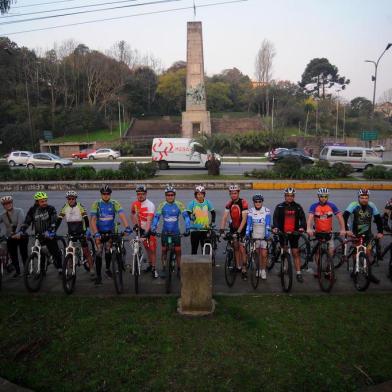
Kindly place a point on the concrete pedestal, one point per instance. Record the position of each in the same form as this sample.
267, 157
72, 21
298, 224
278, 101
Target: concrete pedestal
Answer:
196, 286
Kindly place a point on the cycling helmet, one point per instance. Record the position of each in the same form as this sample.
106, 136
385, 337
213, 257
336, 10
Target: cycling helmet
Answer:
234, 187
323, 192
71, 194
363, 192
258, 197
6, 199
289, 191
40, 195
170, 189
141, 188
200, 188
106, 189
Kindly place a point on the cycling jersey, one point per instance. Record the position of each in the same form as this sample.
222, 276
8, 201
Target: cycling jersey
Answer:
258, 223
12, 220
323, 214
289, 217
41, 219
199, 214
236, 208
362, 218
387, 217
105, 212
75, 216
170, 213
143, 211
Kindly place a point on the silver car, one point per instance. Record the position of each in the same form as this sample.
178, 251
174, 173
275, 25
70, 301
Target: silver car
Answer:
18, 158
104, 153
47, 160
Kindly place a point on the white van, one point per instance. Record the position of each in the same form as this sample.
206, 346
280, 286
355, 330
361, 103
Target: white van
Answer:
358, 157
177, 152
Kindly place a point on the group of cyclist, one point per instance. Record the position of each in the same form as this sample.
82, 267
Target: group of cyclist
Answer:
245, 222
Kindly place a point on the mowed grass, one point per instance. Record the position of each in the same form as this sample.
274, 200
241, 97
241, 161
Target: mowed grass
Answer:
251, 343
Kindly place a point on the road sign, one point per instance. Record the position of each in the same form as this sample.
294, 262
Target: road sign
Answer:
48, 135
369, 135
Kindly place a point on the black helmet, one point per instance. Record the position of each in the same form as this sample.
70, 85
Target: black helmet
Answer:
106, 189
258, 197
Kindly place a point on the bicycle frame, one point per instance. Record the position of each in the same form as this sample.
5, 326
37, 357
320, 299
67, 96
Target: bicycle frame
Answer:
136, 245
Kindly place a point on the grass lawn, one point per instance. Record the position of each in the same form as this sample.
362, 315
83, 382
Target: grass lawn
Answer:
252, 343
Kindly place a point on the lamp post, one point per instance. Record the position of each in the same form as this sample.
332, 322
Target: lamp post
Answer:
337, 115
374, 78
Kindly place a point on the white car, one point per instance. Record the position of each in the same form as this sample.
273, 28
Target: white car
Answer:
18, 158
378, 148
104, 153
47, 160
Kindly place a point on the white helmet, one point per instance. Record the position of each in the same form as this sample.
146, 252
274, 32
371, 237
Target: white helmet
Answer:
323, 192
71, 194
363, 192
289, 191
170, 189
234, 187
200, 188
6, 199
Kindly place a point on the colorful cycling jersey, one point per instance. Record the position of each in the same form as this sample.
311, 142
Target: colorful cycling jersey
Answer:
258, 223
143, 210
75, 216
106, 214
236, 208
170, 213
387, 217
323, 214
362, 217
199, 214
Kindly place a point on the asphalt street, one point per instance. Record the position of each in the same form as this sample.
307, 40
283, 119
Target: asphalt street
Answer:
149, 286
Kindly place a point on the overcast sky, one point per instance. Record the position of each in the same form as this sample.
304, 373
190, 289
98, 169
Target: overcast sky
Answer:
346, 32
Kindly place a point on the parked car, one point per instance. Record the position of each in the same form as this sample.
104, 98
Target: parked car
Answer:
104, 153
305, 159
83, 154
271, 155
47, 160
16, 158
378, 148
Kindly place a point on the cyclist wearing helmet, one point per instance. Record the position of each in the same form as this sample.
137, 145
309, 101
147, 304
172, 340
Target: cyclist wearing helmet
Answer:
258, 226
321, 214
42, 218
198, 210
363, 212
289, 217
78, 225
142, 213
170, 210
237, 210
12, 219
387, 217
103, 215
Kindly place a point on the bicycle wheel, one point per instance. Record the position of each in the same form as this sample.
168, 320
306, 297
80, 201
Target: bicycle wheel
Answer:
390, 267
33, 274
326, 273
254, 269
286, 272
304, 250
117, 270
273, 254
170, 268
338, 253
1, 273
361, 272
69, 275
135, 266
230, 268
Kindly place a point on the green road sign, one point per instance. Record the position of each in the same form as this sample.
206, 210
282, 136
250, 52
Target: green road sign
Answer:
48, 135
369, 135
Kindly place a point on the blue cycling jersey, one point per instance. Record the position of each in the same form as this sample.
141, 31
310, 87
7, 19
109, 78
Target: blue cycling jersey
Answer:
106, 214
170, 213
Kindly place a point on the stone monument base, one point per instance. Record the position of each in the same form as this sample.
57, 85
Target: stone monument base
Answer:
195, 123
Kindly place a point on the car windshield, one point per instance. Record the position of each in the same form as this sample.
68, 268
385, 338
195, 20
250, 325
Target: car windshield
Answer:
53, 156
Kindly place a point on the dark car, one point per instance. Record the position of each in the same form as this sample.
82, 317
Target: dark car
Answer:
305, 159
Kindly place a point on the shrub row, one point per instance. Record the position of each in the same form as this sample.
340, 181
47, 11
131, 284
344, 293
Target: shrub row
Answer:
378, 173
292, 168
128, 170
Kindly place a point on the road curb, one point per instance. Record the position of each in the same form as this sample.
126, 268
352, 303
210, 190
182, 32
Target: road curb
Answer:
189, 184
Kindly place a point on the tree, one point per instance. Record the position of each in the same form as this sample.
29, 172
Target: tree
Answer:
320, 76
171, 91
5, 5
264, 61
218, 96
310, 105
360, 106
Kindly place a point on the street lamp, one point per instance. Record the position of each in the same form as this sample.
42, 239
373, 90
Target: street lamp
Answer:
374, 78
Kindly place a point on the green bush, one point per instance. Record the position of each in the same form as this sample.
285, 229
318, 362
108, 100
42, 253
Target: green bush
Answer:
342, 169
378, 173
125, 148
288, 167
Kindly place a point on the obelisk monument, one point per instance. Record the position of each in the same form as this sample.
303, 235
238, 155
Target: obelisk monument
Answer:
196, 119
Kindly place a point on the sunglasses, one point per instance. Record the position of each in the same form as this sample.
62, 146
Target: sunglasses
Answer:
258, 202
106, 193
7, 202
170, 194
71, 198
323, 196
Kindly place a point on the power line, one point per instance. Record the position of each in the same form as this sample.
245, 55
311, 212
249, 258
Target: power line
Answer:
38, 4
125, 16
87, 12
65, 9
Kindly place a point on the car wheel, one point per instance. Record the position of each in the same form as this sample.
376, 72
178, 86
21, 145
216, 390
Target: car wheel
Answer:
91, 158
30, 166
163, 165
111, 157
58, 166
12, 163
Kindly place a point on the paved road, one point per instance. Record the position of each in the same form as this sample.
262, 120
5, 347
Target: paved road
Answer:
149, 286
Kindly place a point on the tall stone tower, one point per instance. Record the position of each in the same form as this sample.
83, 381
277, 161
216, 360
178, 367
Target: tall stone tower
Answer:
196, 119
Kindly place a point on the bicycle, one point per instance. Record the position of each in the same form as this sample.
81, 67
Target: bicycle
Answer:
5, 260
171, 258
253, 264
230, 261
74, 257
384, 252
137, 258
38, 262
211, 245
